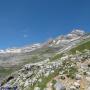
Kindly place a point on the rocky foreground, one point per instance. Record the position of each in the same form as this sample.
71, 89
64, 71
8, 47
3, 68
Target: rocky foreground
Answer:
70, 72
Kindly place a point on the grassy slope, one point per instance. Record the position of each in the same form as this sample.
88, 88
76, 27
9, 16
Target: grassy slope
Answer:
4, 72
81, 47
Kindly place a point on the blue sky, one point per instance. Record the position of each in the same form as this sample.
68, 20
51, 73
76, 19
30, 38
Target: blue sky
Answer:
28, 21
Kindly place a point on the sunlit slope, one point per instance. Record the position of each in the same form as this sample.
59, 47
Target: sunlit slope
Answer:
81, 47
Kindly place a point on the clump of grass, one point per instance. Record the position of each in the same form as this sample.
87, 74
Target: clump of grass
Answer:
71, 72
53, 83
69, 68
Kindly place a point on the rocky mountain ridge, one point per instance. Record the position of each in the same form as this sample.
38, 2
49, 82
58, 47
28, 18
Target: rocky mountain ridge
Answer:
74, 35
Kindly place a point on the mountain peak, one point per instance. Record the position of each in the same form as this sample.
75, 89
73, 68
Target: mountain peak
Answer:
78, 32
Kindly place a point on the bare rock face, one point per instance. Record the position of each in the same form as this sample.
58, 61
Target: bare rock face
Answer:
78, 32
59, 86
36, 88
77, 85
78, 77
72, 88
88, 79
88, 88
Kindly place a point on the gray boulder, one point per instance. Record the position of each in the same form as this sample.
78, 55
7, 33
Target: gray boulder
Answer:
59, 86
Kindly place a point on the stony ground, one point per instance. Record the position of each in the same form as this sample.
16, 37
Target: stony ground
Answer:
70, 72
